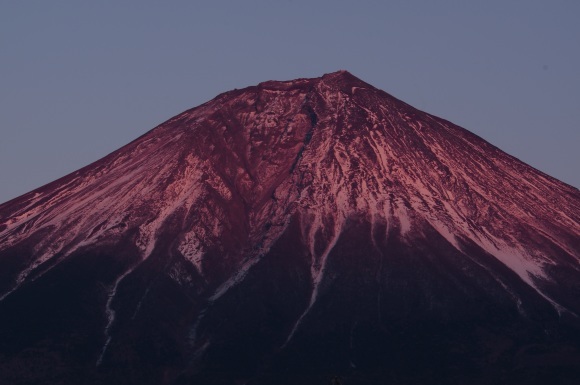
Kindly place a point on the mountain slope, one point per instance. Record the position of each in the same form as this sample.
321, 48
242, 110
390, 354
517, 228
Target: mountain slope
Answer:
296, 229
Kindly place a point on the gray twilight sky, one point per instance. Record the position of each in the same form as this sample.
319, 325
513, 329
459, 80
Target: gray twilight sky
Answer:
79, 79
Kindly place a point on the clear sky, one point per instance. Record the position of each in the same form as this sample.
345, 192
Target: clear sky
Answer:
79, 79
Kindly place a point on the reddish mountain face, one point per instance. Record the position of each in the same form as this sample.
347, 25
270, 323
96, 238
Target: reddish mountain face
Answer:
288, 233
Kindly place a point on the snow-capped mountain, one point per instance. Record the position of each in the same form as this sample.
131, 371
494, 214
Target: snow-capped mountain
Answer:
289, 232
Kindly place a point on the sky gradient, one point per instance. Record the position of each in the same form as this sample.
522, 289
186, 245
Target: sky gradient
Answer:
78, 80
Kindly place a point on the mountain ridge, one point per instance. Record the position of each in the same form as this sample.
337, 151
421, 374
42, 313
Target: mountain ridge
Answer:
430, 217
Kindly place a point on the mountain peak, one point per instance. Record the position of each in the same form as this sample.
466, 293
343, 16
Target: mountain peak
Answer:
341, 79
344, 80
340, 74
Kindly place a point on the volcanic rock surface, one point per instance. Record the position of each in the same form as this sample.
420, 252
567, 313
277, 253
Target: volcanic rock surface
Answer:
287, 233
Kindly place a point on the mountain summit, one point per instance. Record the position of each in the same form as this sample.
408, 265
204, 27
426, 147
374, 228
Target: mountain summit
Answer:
287, 233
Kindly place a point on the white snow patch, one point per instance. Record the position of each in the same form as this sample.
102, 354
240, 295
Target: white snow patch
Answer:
525, 265
317, 269
236, 278
192, 250
400, 213
110, 312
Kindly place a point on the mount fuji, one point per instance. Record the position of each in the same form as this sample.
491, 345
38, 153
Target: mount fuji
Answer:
288, 233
